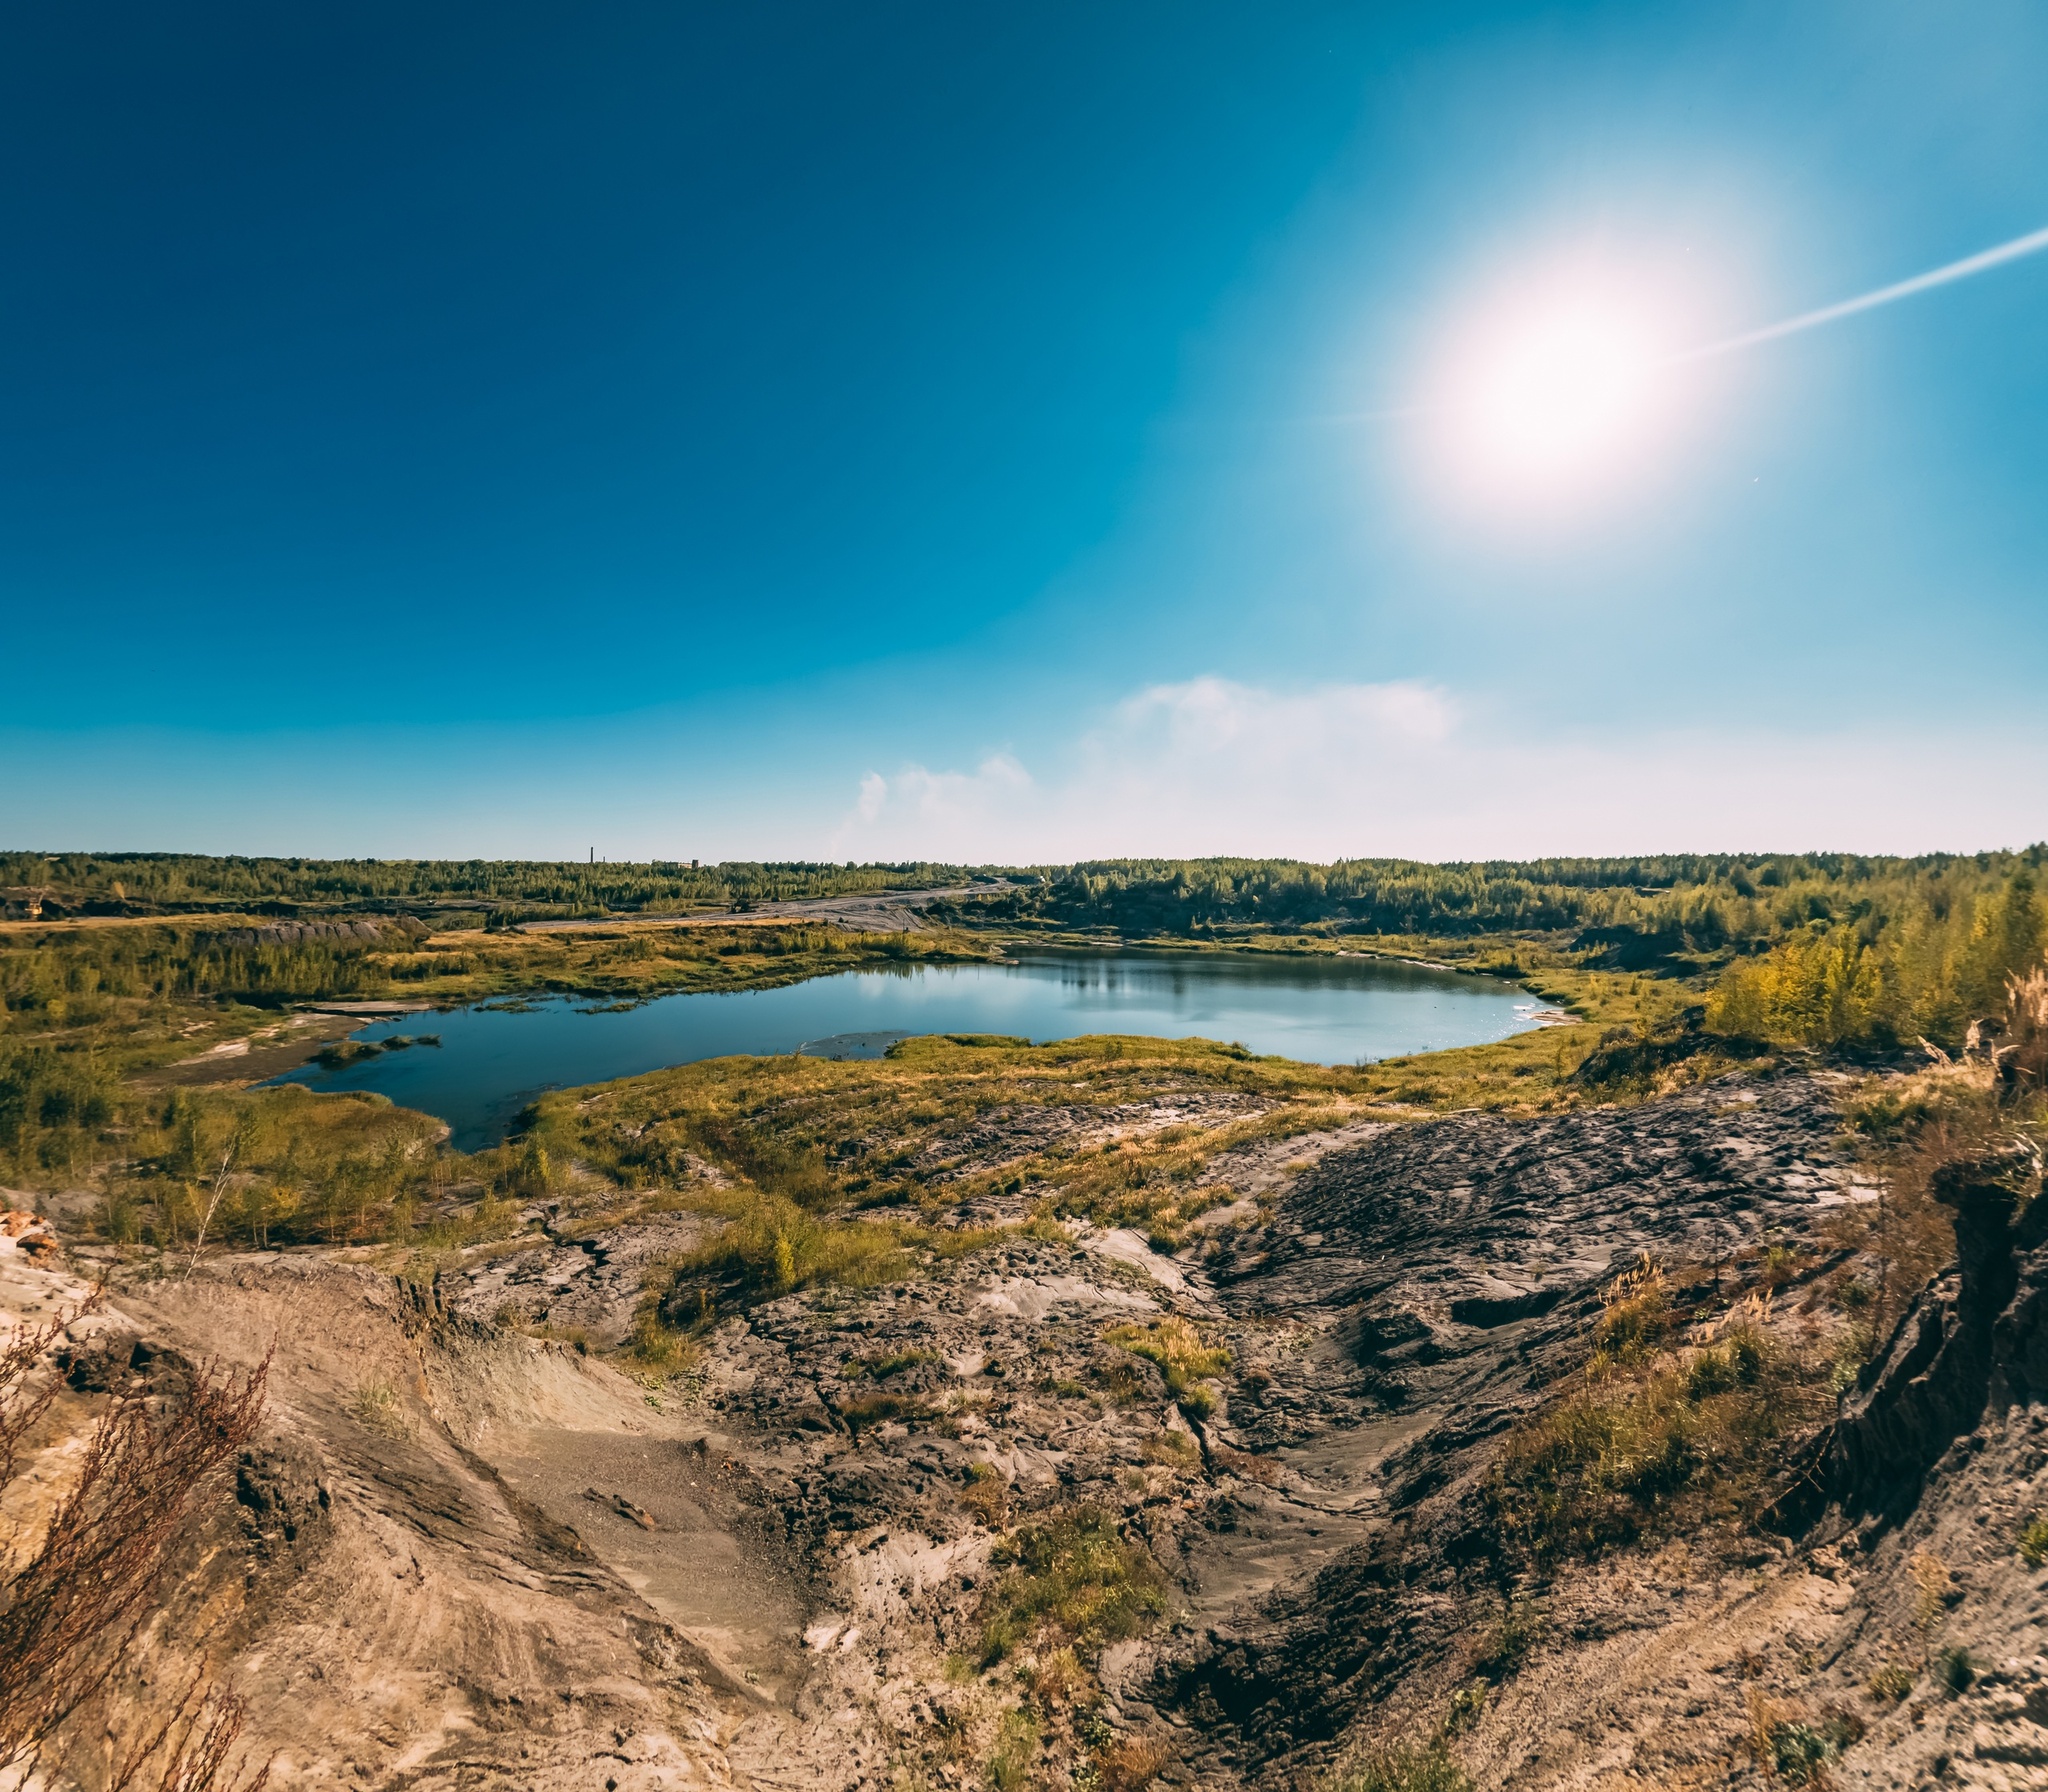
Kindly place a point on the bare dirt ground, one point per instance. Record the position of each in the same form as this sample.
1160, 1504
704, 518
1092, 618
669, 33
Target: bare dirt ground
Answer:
463, 1555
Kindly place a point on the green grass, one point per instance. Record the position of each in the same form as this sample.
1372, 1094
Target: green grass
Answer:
1800, 1752
1402, 1767
866, 1411
2033, 1540
1679, 1440
834, 1136
1071, 1580
1183, 1359
1013, 1760
770, 1246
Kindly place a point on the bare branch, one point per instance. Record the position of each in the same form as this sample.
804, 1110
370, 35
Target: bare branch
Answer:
67, 1614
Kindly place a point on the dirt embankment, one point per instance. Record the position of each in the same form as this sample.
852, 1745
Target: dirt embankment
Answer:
463, 1555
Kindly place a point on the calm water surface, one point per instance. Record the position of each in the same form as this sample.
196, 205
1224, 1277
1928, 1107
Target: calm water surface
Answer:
495, 1057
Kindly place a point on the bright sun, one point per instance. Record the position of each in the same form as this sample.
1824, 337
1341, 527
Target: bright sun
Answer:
1553, 394
1561, 391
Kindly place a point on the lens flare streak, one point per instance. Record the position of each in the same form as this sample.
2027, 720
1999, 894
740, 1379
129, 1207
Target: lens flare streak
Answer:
2019, 247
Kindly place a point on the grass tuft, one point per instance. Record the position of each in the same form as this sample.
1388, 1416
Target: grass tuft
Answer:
1182, 1357
1074, 1580
1687, 1437
2033, 1540
1403, 1767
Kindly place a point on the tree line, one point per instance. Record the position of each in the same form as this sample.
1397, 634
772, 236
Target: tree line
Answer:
145, 883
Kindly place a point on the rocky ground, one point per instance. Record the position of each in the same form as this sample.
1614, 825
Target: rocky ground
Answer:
464, 1555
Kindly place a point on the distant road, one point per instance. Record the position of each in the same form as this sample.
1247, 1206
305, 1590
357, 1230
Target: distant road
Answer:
886, 911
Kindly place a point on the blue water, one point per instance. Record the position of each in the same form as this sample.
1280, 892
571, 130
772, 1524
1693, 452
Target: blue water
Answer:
495, 1057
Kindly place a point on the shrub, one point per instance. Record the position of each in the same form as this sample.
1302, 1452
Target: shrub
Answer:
1956, 1671
1799, 1752
986, 1495
1073, 1579
1639, 1452
1182, 1358
1132, 1763
376, 1407
2033, 1541
1891, 1683
1635, 1316
68, 1611
1403, 1767
1504, 1644
1465, 1707
1931, 1582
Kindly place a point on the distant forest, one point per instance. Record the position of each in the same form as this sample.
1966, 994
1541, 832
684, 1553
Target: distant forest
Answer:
1814, 949
178, 883
1687, 912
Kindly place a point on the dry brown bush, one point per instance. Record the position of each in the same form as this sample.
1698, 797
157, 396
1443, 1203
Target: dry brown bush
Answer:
68, 1611
189, 1750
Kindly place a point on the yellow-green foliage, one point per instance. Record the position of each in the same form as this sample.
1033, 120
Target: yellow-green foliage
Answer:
1011, 1763
1635, 1316
273, 1166
2033, 1541
1402, 1767
1073, 1579
1685, 1438
1183, 1358
1937, 964
865, 1411
772, 1246
826, 1135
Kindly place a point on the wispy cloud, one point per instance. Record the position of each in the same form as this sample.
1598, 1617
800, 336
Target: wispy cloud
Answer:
1406, 769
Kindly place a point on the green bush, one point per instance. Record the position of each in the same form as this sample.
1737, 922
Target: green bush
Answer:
1682, 1439
1403, 1767
1074, 1576
2033, 1540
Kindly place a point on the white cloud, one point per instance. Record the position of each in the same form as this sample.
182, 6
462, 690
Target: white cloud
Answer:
874, 792
918, 805
1403, 769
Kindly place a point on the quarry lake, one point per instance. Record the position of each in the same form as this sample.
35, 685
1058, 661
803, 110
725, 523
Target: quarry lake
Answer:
494, 1057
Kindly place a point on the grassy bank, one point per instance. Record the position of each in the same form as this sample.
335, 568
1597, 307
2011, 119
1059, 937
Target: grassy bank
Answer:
87, 1014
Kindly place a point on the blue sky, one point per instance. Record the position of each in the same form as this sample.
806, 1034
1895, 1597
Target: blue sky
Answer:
912, 430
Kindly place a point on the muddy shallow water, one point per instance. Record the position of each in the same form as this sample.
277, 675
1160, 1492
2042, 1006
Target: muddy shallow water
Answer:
494, 1057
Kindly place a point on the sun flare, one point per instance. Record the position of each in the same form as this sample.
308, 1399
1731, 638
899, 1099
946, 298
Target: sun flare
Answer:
1554, 393
1561, 391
